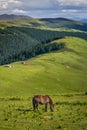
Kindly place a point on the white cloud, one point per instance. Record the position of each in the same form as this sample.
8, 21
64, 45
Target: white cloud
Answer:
3, 5
19, 11
69, 11
72, 2
14, 1
45, 8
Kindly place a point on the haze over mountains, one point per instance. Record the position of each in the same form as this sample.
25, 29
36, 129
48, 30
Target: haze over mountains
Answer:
43, 22
13, 16
84, 20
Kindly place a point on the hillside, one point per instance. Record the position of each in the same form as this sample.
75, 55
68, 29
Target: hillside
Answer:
65, 23
60, 54
53, 73
21, 43
43, 56
53, 23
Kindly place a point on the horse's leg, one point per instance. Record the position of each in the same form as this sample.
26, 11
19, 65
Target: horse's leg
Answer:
46, 104
36, 106
51, 107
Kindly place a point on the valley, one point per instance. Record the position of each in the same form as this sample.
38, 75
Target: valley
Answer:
44, 58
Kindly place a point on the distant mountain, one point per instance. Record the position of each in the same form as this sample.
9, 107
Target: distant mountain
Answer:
64, 23
22, 37
11, 16
55, 19
84, 20
61, 23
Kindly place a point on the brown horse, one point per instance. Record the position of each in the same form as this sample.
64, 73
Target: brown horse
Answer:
42, 99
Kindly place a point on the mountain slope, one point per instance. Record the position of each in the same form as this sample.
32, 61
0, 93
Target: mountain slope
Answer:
11, 16
64, 23
20, 43
53, 23
53, 73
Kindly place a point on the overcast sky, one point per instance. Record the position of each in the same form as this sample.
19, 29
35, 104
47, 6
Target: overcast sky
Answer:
75, 9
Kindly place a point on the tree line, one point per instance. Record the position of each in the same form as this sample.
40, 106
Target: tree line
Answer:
20, 43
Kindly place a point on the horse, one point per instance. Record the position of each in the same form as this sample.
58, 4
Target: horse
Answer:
42, 99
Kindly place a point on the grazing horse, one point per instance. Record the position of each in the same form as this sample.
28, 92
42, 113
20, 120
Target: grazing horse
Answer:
42, 99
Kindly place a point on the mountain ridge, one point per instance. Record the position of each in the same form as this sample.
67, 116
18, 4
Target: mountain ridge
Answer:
12, 16
53, 23
24, 38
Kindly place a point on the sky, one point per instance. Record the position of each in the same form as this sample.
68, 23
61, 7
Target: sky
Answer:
74, 9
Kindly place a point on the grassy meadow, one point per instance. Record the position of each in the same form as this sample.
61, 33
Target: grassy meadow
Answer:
60, 74
70, 114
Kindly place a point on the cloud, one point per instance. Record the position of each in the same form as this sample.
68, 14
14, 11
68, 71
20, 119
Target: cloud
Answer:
14, 1
3, 5
72, 2
39, 4
69, 11
45, 8
19, 11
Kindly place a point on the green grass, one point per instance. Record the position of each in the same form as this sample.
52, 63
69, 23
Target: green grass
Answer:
62, 75
54, 73
57, 25
18, 114
29, 22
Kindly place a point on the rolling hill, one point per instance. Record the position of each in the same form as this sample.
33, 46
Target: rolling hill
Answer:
19, 20
23, 38
53, 73
65, 23
51, 53
43, 56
